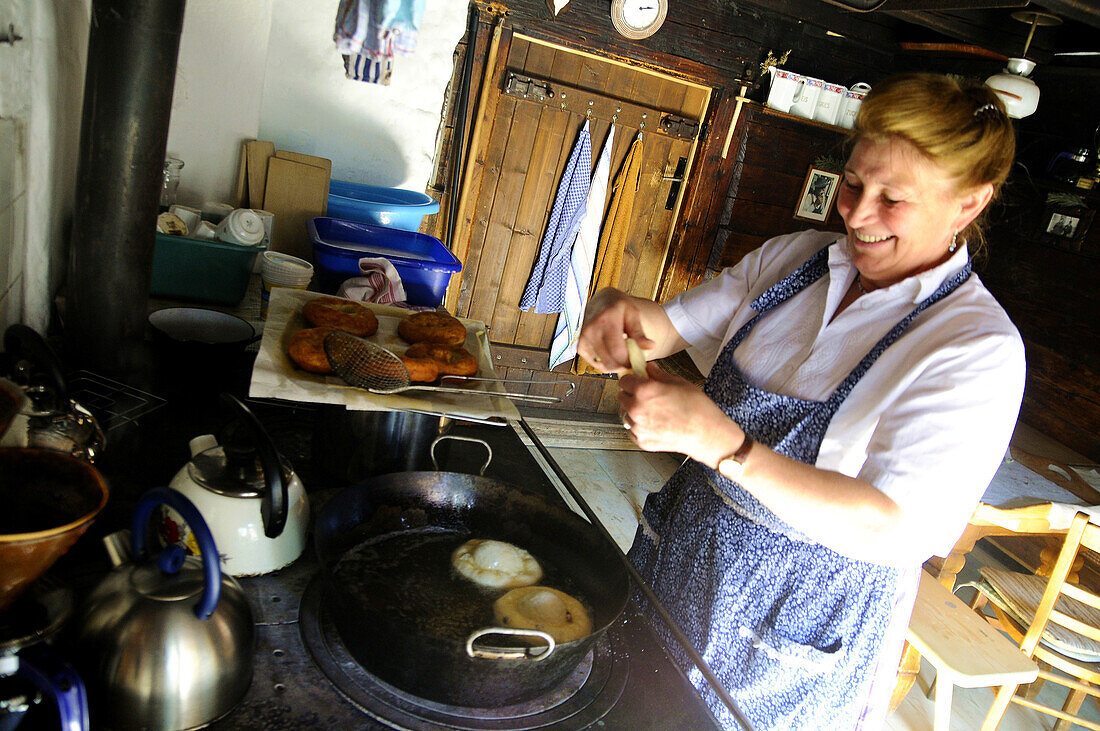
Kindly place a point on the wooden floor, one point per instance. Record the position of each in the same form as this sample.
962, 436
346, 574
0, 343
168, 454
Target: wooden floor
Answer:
615, 482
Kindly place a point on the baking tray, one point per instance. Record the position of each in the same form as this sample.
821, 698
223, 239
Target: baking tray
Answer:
275, 376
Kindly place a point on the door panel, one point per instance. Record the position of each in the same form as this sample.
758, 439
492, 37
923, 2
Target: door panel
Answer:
524, 157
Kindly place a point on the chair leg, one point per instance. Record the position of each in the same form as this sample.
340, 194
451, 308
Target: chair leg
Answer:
942, 720
1000, 705
1072, 706
1031, 690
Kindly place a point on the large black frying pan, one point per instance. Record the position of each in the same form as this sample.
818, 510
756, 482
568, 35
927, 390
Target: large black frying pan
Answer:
384, 626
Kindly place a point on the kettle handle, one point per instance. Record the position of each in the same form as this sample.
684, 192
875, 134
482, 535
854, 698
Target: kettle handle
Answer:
273, 502
212, 574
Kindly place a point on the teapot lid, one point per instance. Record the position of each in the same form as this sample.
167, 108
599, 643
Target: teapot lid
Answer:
228, 471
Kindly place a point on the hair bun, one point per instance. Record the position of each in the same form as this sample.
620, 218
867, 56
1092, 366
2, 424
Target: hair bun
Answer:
987, 111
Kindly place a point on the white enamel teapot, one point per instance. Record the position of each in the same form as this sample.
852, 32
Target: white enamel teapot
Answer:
254, 504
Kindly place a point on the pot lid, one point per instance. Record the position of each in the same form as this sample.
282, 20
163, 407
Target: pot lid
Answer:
234, 471
149, 580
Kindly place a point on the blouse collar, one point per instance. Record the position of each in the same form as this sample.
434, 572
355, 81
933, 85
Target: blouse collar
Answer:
916, 287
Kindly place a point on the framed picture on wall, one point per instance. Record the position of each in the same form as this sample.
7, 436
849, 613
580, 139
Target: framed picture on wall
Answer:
816, 198
1064, 227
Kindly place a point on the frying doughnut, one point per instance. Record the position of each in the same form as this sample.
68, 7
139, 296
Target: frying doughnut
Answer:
558, 614
421, 370
495, 564
342, 314
452, 361
432, 327
307, 350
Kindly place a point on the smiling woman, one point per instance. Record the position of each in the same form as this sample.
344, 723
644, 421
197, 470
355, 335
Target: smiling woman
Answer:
860, 393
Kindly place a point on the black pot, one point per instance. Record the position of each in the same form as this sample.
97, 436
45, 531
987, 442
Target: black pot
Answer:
201, 330
355, 445
381, 629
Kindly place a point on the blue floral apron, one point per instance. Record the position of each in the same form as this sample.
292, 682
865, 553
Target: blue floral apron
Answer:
793, 629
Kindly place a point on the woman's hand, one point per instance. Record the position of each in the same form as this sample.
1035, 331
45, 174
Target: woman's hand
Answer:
664, 413
613, 316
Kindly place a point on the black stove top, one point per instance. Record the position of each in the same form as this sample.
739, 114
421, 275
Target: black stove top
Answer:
303, 678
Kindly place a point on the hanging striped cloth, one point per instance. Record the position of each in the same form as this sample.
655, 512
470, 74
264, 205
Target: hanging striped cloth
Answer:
545, 290
581, 260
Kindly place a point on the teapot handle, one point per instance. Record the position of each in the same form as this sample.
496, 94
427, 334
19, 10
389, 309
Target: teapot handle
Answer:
212, 574
273, 502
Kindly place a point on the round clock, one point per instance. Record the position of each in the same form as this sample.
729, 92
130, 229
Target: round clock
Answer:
638, 18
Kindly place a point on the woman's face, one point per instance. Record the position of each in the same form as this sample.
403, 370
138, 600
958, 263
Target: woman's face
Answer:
900, 210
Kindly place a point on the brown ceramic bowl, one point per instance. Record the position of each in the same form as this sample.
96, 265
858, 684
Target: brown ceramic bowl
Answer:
49, 499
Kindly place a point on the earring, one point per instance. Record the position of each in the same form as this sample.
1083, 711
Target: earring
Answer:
954, 245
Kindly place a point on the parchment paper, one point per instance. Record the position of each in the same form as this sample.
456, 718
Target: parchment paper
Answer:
275, 375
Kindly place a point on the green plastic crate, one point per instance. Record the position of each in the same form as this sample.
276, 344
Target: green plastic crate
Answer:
201, 270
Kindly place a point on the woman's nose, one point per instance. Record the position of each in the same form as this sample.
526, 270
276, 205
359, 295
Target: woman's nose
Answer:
861, 210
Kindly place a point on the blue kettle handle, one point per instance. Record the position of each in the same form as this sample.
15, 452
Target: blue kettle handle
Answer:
172, 560
39, 665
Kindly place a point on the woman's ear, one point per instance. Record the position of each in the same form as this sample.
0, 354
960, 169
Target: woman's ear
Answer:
971, 203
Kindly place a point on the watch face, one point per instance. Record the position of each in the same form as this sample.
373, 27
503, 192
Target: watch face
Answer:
638, 18
640, 14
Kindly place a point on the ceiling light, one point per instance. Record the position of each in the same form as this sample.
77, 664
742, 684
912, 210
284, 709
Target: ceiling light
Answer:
1019, 93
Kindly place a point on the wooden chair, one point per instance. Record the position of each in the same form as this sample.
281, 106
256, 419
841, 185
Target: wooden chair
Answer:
1055, 628
1033, 522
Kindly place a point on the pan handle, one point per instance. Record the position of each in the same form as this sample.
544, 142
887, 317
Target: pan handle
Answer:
530, 653
482, 442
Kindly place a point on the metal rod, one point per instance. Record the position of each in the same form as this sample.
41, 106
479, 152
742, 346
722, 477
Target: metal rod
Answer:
641, 582
458, 136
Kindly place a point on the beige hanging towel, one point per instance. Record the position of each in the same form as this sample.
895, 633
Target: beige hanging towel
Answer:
616, 226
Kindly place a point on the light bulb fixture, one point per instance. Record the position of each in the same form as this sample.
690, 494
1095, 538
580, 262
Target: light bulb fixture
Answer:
1019, 93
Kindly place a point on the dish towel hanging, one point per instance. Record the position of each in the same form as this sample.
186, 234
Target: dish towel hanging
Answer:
369, 33
581, 261
620, 214
545, 290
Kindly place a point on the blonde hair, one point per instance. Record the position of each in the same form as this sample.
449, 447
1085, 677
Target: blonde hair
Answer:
961, 126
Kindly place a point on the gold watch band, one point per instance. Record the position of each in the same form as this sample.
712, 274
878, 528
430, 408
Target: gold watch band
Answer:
733, 465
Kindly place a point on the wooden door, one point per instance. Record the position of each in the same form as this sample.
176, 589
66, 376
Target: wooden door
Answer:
526, 152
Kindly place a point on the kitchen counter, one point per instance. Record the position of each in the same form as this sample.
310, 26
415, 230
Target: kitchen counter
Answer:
289, 690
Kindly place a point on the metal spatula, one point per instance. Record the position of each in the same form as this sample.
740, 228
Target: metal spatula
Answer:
370, 366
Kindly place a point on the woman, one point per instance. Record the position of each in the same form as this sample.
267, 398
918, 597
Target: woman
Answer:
860, 394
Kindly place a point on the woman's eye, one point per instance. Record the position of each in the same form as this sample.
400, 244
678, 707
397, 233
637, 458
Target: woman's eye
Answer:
850, 184
889, 201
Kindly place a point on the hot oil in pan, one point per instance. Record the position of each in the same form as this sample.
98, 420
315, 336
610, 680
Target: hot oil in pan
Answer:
408, 575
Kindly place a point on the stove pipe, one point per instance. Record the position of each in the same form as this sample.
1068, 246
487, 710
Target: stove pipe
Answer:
132, 50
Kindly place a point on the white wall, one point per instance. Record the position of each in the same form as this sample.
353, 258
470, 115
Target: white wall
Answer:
247, 69
268, 69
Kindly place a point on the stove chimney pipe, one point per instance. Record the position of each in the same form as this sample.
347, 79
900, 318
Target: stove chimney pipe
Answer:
132, 51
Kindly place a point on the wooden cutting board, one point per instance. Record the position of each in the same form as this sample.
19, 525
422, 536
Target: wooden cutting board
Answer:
321, 162
295, 193
257, 156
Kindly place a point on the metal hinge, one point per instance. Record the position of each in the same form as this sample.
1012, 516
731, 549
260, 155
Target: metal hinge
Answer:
679, 127
528, 88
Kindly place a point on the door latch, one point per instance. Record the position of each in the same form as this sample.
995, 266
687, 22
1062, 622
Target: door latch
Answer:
679, 127
527, 88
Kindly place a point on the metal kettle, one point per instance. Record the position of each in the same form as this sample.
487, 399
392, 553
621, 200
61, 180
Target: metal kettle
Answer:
251, 500
165, 643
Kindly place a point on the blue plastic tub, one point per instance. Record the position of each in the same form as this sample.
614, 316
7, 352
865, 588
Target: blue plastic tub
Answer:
391, 207
424, 263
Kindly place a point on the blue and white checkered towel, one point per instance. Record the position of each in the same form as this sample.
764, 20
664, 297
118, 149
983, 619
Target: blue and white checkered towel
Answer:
545, 290
582, 260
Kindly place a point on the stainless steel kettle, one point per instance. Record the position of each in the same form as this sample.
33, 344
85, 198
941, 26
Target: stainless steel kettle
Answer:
166, 643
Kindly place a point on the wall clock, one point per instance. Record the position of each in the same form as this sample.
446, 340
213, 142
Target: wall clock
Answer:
638, 18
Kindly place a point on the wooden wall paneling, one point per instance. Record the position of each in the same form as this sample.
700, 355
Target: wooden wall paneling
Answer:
609, 399
532, 327
538, 185
492, 165
474, 175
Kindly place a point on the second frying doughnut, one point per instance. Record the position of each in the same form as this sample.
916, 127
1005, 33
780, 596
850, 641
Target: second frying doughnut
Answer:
432, 327
421, 370
307, 349
452, 361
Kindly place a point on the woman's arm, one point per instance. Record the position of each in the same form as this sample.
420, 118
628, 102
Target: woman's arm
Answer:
611, 317
848, 515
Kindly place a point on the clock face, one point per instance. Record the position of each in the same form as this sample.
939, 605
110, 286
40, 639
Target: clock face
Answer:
638, 18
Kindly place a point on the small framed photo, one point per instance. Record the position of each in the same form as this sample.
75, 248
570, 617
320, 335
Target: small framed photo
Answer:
816, 198
1064, 226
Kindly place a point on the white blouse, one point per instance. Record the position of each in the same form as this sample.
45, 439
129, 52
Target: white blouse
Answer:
929, 422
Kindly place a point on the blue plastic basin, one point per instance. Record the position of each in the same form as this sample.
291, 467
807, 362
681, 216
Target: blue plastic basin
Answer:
390, 207
424, 263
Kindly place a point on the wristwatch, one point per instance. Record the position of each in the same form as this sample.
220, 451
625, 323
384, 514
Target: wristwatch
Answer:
733, 465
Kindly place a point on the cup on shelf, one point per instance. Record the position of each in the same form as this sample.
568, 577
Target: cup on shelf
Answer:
805, 98
849, 106
281, 270
828, 103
